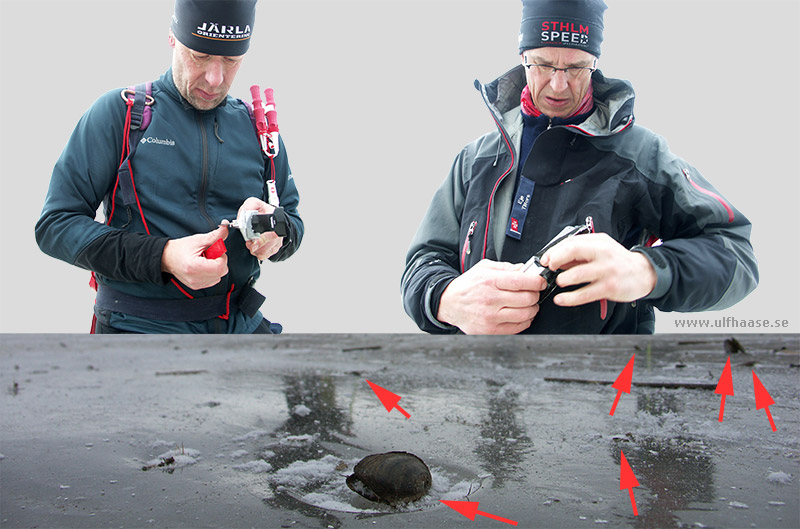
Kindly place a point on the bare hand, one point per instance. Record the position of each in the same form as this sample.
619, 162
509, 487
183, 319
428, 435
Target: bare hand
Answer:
491, 298
268, 243
183, 258
611, 271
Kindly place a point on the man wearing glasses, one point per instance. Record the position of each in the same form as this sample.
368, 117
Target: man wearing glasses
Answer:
566, 158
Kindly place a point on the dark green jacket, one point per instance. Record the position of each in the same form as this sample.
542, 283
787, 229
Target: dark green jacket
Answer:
191, 169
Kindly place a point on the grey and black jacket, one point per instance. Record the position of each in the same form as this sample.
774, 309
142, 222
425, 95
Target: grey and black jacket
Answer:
620, 174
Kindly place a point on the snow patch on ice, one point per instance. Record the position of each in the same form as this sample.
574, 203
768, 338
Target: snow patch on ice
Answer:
779, 477
738, 505
183, 460
303, 473
511, 390
301, 409
238, 454
160, 444
254, 435
256, 467
298, 440
182, 457
443, 488
325, 501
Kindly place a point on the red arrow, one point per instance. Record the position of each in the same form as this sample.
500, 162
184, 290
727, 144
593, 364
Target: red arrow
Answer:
388, 399
724, 386
470, 510
623, 383
627, 480
763, 400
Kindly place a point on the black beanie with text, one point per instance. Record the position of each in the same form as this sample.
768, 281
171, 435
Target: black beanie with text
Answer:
216, 27
562, 24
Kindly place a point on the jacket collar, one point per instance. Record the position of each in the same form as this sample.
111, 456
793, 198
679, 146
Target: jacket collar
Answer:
613, 98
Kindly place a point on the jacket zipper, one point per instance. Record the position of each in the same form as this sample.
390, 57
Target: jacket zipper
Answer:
504, 135
204, 171
710, 194
467, 250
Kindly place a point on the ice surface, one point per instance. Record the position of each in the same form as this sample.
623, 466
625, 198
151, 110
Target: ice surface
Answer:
491, 430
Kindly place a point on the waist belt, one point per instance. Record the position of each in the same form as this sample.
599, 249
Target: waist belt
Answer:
246, 299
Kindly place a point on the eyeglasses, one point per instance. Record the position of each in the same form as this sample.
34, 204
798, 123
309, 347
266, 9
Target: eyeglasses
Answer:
547, 70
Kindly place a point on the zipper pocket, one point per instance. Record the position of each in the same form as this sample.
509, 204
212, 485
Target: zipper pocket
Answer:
710, 194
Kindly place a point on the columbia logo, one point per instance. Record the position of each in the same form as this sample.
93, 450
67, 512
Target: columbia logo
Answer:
158, 141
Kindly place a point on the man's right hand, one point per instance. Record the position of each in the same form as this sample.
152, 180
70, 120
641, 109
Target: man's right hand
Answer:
491, 298
183, 258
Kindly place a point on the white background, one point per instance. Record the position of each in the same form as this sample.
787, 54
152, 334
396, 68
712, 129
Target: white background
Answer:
375, 99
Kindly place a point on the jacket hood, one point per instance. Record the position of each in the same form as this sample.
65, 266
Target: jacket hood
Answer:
613, 100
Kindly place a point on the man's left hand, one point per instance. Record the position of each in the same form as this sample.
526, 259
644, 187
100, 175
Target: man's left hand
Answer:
609, 270
268, 243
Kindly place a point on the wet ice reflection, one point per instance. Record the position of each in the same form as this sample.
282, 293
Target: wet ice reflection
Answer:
504, 443
677, 472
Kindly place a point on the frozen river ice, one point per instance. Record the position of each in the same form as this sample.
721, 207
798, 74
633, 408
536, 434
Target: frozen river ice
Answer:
184, 431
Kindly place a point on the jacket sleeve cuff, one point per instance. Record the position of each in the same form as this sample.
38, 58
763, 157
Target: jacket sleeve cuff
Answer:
433, 296
661, 266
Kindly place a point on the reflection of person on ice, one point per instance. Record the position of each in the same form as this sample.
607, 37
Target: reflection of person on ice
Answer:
566, 149
198, 160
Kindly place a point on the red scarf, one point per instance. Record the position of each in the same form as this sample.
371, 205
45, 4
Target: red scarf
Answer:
530, 109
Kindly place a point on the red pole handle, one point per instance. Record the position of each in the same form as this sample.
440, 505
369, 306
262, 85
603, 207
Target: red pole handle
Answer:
258, 109
272, 114
215, 250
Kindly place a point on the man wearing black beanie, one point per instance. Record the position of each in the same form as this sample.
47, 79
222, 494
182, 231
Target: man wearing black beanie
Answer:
608, 222
205, 32
198, 160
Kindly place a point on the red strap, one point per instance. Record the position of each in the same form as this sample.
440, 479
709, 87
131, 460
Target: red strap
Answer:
175, 282
603, 302
227, 305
